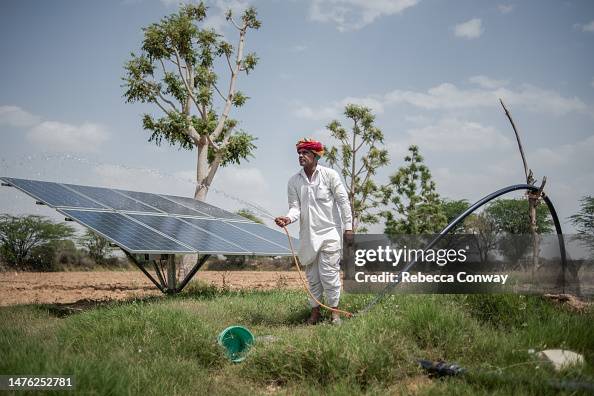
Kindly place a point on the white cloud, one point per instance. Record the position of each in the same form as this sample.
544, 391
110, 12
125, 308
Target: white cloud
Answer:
449, 96
454, 135
351, 15
335, 109
487, 82
505, 8
470, 29
588, 27
14, 116
58, 136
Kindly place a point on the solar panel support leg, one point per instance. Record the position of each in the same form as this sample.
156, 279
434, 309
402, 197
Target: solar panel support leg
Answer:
199, 263
171, 275
133, 259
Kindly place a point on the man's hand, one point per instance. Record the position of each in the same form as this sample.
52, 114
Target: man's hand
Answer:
282, 221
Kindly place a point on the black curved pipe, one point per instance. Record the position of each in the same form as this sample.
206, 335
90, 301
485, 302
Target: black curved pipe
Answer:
469, 211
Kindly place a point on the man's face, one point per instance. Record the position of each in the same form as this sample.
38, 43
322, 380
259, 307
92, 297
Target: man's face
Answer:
306, 158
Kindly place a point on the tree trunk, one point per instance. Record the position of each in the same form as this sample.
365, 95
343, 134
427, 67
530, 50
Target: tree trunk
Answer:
201, 170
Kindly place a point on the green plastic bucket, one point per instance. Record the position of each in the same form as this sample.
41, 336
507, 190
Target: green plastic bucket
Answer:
236, 340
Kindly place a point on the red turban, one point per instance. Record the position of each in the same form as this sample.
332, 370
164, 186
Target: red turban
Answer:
312, 145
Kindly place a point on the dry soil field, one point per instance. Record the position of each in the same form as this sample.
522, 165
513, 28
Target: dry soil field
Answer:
71, 287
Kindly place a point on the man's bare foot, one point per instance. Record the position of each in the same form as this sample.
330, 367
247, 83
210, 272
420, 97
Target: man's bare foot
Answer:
336, 318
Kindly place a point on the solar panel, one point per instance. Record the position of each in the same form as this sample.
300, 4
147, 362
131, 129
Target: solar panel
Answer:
252, 243
205, 208
197, 238
280, 238
53, 194
112, 199
163, 204
127, 233
144, 222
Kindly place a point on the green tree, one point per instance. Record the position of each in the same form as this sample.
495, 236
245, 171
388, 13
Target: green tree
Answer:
583, 221
97, 247
176, 72
20, 234
512, 216
484, 233
358, 158
248, 214
512, 222
416, 208
452, 209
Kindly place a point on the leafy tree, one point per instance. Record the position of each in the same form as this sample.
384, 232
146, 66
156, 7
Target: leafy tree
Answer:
248, 214
417, 208
176, 72
19, 235
484, 231
97, 246
452, 209
512, 221
358, 159
511, 216
584, 221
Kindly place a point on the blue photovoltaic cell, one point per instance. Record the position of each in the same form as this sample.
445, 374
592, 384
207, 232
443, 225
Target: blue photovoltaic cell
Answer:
277, 237
192, 236
53, 194
220, 232
251, 243
112, 199
163, 204
126, 233
205, 208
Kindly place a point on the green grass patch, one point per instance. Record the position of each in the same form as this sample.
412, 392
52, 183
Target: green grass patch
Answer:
168, 345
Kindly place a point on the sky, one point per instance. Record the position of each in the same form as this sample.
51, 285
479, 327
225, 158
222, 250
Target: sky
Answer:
432, 72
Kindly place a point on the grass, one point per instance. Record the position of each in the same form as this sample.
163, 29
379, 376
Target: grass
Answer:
168, 345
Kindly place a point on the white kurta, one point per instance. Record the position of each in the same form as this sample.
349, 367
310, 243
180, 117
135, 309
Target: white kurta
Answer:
316, 204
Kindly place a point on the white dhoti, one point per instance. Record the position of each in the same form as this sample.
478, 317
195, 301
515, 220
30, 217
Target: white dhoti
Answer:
323, 276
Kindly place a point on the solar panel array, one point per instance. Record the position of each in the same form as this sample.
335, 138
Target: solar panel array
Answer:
141, 222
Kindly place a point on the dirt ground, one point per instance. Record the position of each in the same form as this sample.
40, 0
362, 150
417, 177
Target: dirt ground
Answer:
70, 287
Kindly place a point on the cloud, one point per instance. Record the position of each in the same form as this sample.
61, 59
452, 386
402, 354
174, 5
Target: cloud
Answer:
58, 136
588, 27
469, 30
505, 8
335, 109
592, 83
14, 116
454, 135
349, 15
449, 96
486, 82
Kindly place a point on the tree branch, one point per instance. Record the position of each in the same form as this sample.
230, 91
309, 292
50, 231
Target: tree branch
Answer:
234, 73
217, 89
186, 84
526, 172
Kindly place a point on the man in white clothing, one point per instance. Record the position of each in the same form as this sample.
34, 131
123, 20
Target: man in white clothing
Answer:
316, 194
